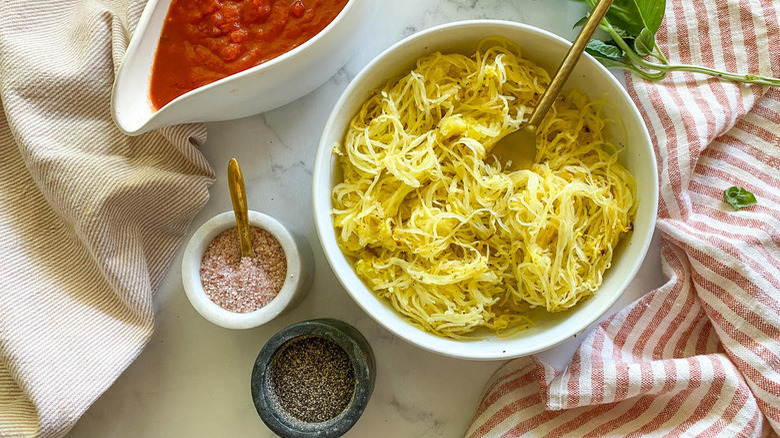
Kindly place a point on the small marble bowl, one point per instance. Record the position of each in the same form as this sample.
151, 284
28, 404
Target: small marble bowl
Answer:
362, 357
300, 271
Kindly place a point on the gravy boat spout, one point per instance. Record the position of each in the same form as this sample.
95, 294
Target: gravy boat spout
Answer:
261, 88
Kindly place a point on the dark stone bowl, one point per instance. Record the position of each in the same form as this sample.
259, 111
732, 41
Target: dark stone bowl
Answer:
353, 343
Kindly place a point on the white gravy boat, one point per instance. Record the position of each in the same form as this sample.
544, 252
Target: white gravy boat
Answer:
261, 88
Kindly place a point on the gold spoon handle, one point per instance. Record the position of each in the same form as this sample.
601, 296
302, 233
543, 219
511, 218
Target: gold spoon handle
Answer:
569, 62
238, 195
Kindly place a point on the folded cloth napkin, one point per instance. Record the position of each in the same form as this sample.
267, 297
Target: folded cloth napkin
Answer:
89, 218
699, 356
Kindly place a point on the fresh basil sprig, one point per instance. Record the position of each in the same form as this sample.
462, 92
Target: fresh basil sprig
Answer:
631, 26
738, 197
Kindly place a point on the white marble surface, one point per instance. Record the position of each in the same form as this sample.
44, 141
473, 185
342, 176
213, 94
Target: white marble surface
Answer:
193, 378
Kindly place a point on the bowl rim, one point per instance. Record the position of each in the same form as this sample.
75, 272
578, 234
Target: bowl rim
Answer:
143, 23
213, 312
324, 223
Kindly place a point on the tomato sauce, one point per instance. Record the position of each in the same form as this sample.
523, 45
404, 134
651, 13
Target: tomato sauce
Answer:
206, 40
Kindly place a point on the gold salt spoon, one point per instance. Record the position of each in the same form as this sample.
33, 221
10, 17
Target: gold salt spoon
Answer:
517, 150
238, 195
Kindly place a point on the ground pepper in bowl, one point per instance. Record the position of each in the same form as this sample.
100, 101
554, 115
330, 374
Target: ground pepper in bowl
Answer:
245, 284
312, 378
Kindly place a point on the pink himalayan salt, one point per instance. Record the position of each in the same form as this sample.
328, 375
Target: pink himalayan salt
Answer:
245, 284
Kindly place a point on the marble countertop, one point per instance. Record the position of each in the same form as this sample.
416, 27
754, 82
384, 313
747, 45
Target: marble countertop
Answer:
192, 380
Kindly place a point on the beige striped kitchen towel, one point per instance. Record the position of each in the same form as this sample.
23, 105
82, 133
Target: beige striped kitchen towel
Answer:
700, 356
89, 218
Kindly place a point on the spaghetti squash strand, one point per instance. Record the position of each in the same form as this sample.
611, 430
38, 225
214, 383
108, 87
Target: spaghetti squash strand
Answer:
454, 242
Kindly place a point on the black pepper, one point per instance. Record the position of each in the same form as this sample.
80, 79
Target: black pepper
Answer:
312, 378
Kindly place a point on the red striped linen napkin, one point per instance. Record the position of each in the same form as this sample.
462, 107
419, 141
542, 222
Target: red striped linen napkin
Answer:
700, 356
89, 218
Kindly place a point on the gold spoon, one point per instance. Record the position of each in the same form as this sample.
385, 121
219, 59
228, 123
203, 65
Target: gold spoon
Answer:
238, 195
517, 150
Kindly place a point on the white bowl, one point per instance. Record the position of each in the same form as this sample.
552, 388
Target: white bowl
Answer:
261, 88
300, 272
547, 50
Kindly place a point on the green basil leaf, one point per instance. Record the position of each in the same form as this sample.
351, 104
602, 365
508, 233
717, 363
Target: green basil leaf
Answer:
607, 61
652, 13
621, 33
644, 43
580, 22
625, 15
628, 39
600, 48
738, 197
635, 15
